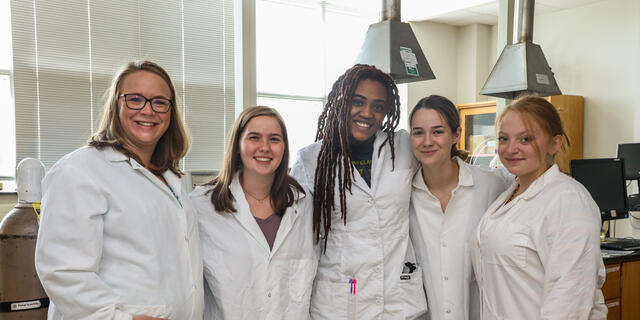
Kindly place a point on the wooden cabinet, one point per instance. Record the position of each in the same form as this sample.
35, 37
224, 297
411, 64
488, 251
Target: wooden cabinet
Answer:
611, 291
478, 128
621, 290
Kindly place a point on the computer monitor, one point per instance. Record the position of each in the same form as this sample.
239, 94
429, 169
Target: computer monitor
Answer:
604, 178
630, 152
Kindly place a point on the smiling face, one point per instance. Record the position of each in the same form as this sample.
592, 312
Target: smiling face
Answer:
432, 138
143, 128
525, 152
261, 146
368, 108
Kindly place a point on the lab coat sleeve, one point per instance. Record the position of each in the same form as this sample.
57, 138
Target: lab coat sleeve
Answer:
298, 171
69, 246
573, 265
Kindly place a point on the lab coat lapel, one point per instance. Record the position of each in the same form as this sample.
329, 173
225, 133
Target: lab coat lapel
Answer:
358, 180
376, 166
116, 156
287, 223
498, 207
244, 215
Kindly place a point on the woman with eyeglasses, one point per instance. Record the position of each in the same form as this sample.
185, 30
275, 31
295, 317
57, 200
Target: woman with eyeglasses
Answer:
118, 238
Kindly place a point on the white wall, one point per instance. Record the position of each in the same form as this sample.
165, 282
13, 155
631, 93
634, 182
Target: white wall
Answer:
461, 59
594, 52
475, 56
438, 42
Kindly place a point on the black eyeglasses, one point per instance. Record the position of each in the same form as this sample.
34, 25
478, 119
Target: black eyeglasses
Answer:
137, 101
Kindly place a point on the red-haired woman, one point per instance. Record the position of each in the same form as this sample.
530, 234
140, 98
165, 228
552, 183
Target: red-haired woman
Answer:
536, 251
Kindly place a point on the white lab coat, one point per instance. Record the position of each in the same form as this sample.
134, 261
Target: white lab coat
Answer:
114, 241
374, 244
538, 256
246, 279
440, 239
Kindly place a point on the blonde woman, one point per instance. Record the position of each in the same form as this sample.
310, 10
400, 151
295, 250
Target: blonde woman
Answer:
118, 238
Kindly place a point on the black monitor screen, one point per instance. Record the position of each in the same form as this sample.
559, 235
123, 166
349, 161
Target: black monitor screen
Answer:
630, 152
604, 178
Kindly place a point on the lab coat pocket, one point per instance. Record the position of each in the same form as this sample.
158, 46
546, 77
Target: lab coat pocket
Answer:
330, 300
511, 248
157, 311
411, 291
301, 274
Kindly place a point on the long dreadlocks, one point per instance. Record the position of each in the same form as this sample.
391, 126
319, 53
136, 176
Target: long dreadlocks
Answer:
334, 158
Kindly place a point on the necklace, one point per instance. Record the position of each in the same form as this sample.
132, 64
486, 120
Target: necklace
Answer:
513, 195
260, 201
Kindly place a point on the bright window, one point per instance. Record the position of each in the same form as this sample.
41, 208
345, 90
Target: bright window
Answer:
302, 47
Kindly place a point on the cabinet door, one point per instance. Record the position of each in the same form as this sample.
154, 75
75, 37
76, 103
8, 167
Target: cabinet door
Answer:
478, 131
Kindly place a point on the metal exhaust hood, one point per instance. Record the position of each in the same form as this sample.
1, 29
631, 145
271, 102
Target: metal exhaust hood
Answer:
392, 47
522, 67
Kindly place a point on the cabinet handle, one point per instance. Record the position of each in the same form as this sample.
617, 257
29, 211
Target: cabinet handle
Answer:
613, 304
613, 269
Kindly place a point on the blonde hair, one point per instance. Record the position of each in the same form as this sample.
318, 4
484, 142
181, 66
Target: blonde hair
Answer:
174, 143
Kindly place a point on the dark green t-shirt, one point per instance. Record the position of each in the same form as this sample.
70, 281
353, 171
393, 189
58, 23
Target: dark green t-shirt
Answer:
361, 154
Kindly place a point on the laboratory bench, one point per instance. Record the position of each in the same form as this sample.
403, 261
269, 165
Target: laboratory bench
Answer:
621, 289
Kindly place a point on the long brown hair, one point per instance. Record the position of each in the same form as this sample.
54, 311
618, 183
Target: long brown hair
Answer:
541, 112
174, 143
448, 111
334, 159
281, 194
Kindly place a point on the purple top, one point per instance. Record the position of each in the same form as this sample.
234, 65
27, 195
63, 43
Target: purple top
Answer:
269, 227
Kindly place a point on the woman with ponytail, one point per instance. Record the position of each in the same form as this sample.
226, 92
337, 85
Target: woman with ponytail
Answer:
448, 198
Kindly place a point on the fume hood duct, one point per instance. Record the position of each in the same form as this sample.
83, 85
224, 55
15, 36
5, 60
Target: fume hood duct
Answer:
522, 68
392, 47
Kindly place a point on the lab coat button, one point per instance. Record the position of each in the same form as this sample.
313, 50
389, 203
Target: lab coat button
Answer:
269, 295
444, 244
446, 278
448, 310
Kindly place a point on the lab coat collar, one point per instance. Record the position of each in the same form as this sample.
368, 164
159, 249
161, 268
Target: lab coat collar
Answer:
114, 155
499, 207
465, 178
376, 165
541, 182
173, 180
246, 219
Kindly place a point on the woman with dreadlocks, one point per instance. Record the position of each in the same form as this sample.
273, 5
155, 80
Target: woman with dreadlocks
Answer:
359, 171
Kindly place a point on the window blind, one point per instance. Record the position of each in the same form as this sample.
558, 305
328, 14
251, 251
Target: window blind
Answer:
65, 54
